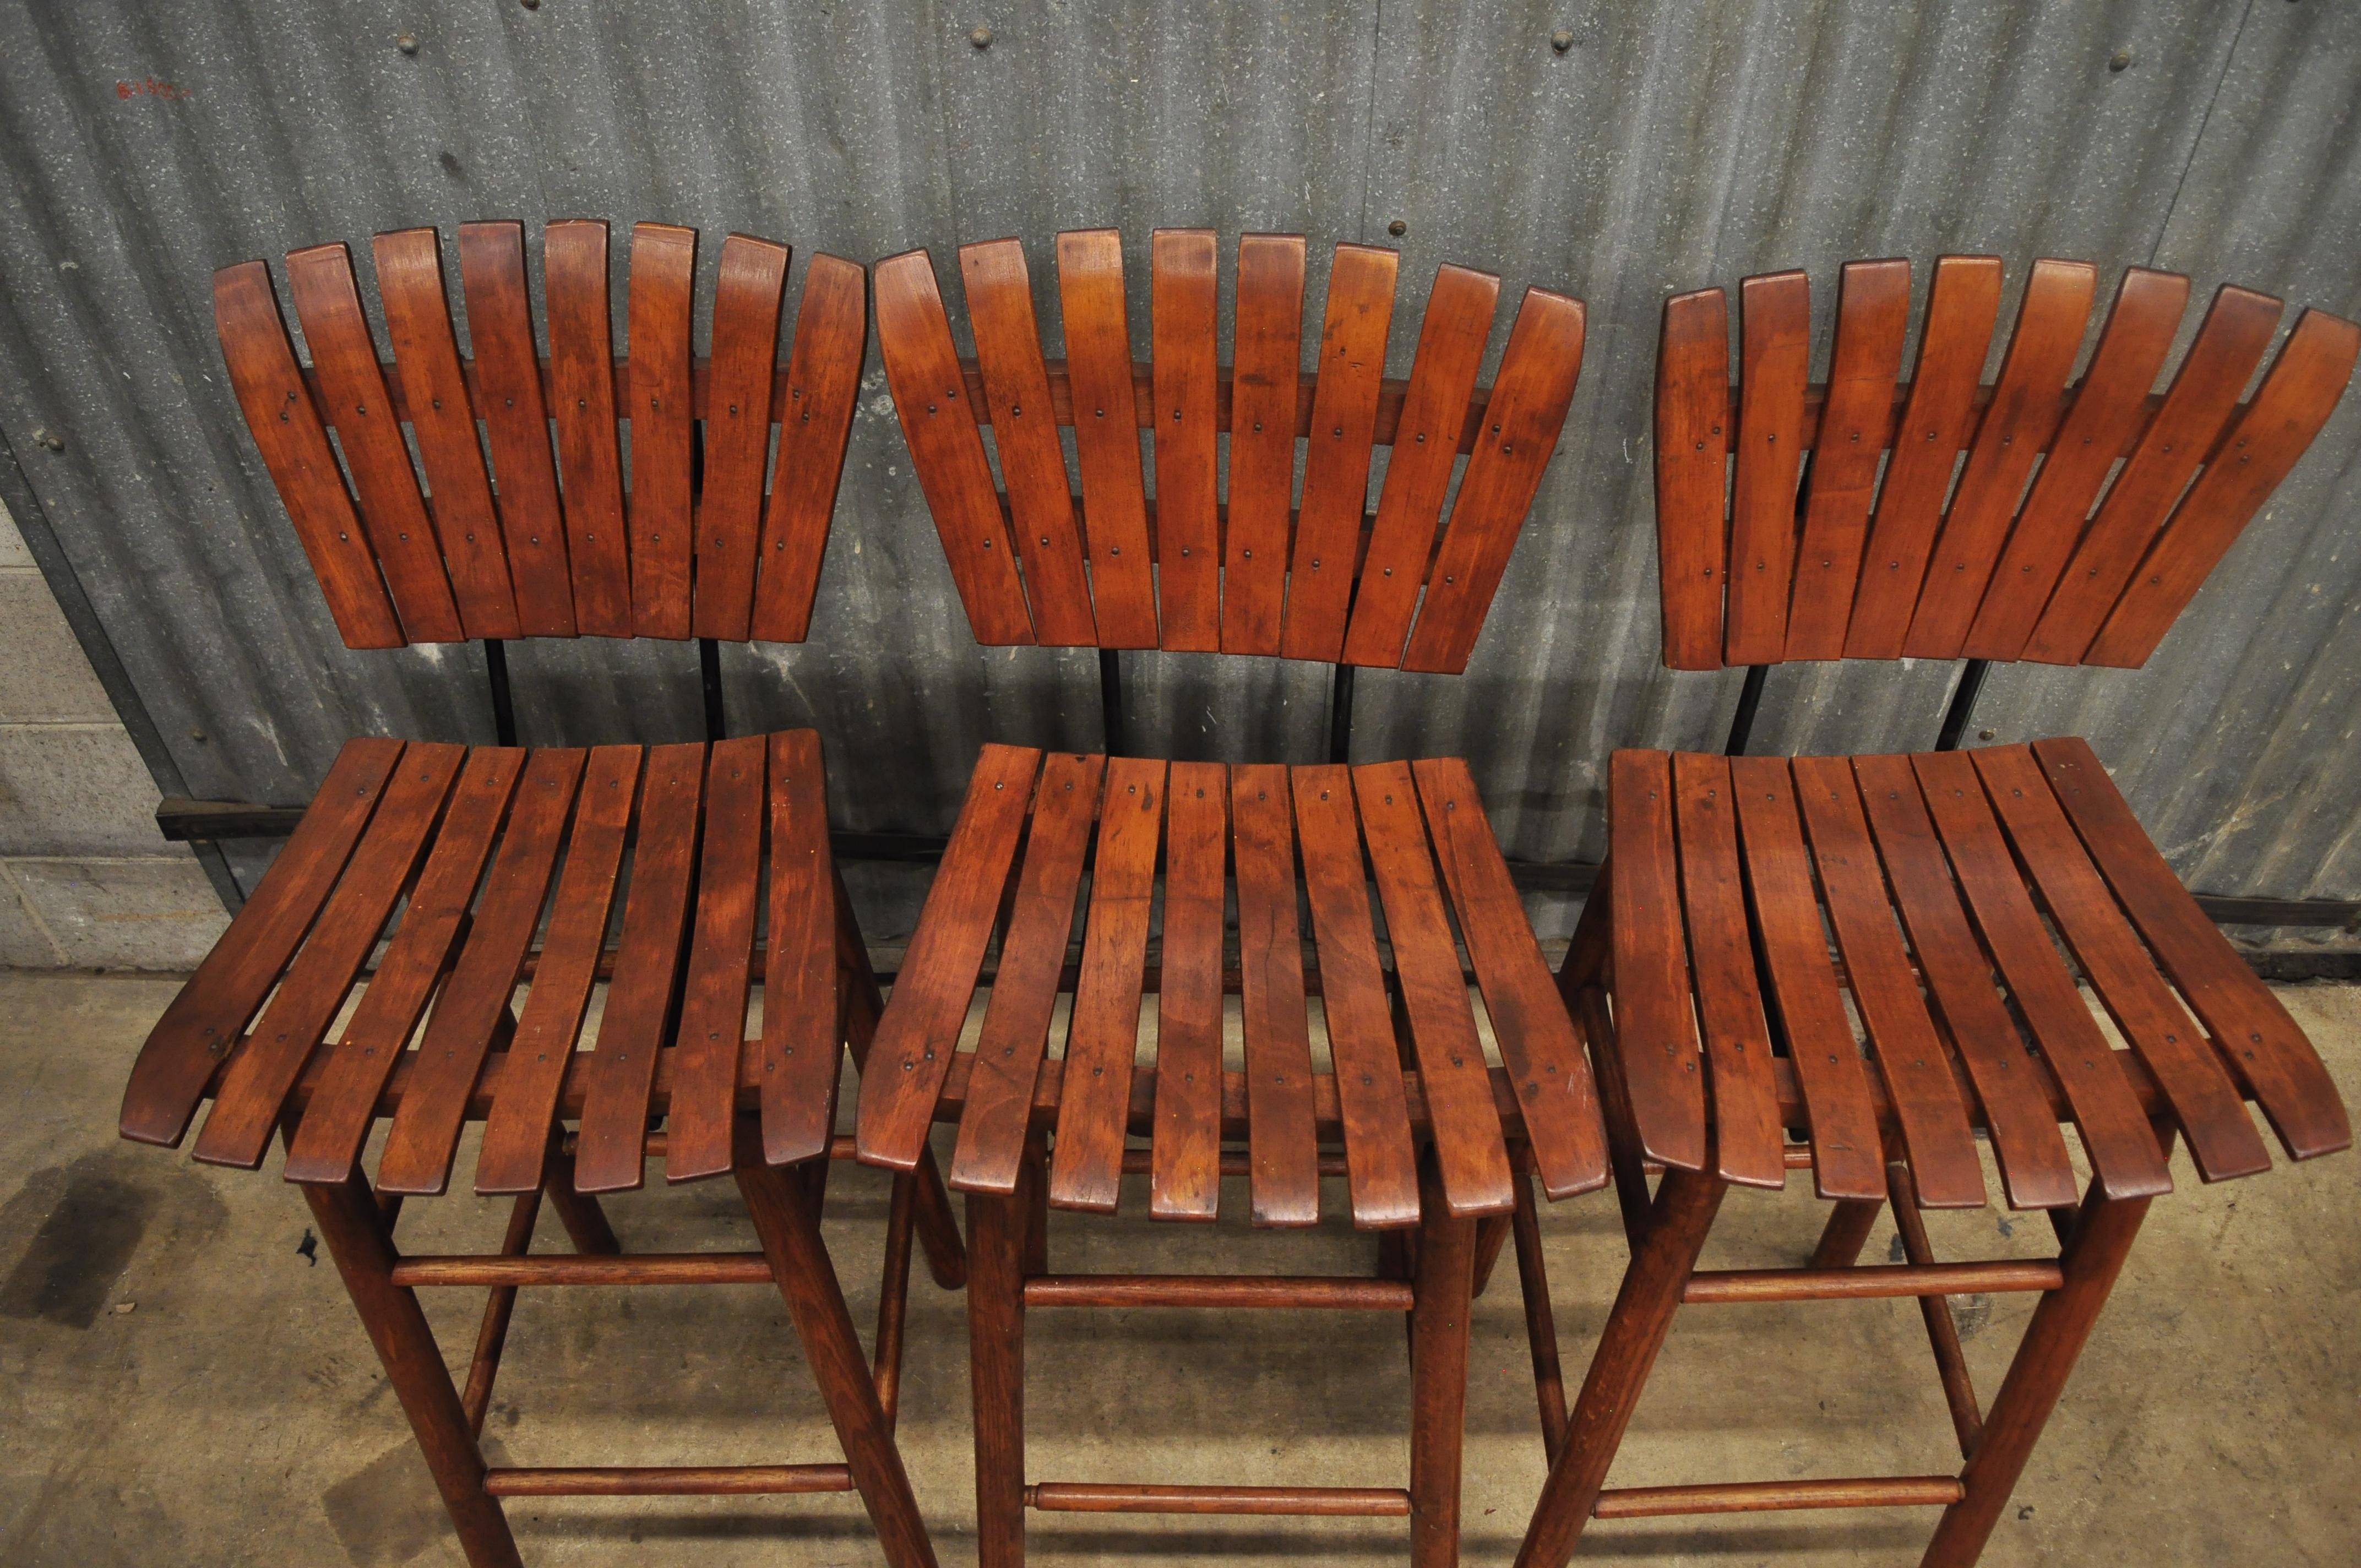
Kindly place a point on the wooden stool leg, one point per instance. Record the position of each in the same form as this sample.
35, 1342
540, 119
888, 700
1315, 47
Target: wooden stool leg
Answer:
800, 1262
1492, 1235
2062, 1323
1447, 1273
349, 1221
584, 1220
893, 1295
1541, 1322
1847, 1232
997, 1230
1686, 1201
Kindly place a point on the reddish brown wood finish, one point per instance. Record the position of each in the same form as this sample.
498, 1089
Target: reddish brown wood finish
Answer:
1281, 1143
1354, 326
1268, 349
1106, 436
1186, 1179
747, 294
1692, 473
516, 424
1188, 530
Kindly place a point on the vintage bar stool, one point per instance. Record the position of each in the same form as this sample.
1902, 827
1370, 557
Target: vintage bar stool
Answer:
1427, 1132
680, 838
1968, 891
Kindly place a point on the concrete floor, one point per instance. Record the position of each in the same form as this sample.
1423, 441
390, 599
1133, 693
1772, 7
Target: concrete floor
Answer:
182, 1379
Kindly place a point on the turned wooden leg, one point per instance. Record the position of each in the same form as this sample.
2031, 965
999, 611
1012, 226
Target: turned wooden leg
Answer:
1447, 1273
997, 1227
893, 1294
1541, 1322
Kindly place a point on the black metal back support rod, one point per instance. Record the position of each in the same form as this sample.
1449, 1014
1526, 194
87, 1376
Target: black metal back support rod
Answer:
1111, 712
1964, 703
708, 670
1742, 723
496, 675
1340, 715
1111, 701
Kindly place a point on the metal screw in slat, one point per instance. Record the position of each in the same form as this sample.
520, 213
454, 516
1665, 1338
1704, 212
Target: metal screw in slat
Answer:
1398, 228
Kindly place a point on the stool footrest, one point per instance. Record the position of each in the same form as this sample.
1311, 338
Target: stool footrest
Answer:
1870, 1280
1110, 1497
587, 1269
666, 1480
1762, 1496
1319, 1291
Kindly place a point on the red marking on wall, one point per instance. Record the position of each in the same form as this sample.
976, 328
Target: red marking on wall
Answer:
149, 87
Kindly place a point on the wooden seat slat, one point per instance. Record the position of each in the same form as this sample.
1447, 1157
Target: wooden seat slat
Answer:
1025, 982
1652, 1018
712, 1029
2123, 1150
524, 1094
1382, 1163
1536, 1038
1185, 1157
337, 1120
1692, 457
1872, 315
824, 369
2009, 1078
1106, 436
802, 1005
1962, 307
1775, 319
1919, 1087
1355, 322
516, 424
1184, 305
1281, 1146
749, 292
582, 391
610, 1155
1041, 504
1848, 1152
663, 427
472, 1012
1267, 353
209, 1014
265, 1066
1470, 1155
443, 419
2249, 1027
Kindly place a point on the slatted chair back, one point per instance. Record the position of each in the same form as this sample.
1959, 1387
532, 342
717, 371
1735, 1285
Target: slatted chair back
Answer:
1189, 568
1838, 530
683, 541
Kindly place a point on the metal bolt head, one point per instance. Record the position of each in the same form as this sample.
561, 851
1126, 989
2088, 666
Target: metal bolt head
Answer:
405, 43
981, 38
2122, 61
1561, 41
529, 5
1398, 228
1985, 734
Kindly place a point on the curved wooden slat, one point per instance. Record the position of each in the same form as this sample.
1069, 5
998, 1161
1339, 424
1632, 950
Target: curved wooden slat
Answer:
1655, 1032
663, 426
747, 296
1749, 1144
1872, 315
1282, 1149
1188, 530
1106, 436
824, 367
1693, 475
516, 425
711, 1033
1774, 348
1267, 355
582, 390
802, 981
1354, 325
1185, 1160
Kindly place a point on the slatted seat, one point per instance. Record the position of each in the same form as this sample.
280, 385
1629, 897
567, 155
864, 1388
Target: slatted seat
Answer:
1866, 966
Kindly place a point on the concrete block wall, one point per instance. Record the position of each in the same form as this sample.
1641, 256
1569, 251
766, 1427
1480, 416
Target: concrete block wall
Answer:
85, 880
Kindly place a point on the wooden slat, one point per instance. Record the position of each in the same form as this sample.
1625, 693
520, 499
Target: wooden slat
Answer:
1693, 475
1748, 1140
2110, 406
1470, 1155
1961, 306
1185, 1159
1417, 472
1353, 325
1188, 532
2016, 426
1103, 1035
748, 291
2124, 1151
1522, 424
663, 426
802, 985
815, 426
443, 420
930, 399
1267, 370
993, 1128
1774, 322
1282, 1149
2221, 1138
1382, 1166
1107, 435
2248, 1025
582, 391
472, 1013
1538, 1046
266, 1065
353, 391
1032, 457
1873, 314
1917, 1069
2009, 1078
703, 1108
2203, 399
1656, 1034
343, 1102
524, 1095
1847, 1158
516, 424
640, 999
912, 1050
2303, 388
209, 1014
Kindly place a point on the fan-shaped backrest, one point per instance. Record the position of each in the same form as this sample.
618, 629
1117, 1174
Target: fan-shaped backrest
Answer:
509, 551
1184, 571
1911, 564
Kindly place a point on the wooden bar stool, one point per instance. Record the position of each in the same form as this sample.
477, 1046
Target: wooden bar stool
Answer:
454, 857
1968, 893
1426, 1138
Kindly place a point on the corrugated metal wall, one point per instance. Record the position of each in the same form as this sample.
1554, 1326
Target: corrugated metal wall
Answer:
1672, 146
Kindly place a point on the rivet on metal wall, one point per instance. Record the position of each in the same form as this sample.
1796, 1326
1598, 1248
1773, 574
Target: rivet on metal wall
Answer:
529, 5
50, 438
2121, 61
981, 38
1398, 228
1986, 734
405, 43
1561, 41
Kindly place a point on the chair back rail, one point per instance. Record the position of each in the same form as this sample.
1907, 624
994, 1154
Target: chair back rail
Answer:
1095, 560
695, 545
1798, 521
